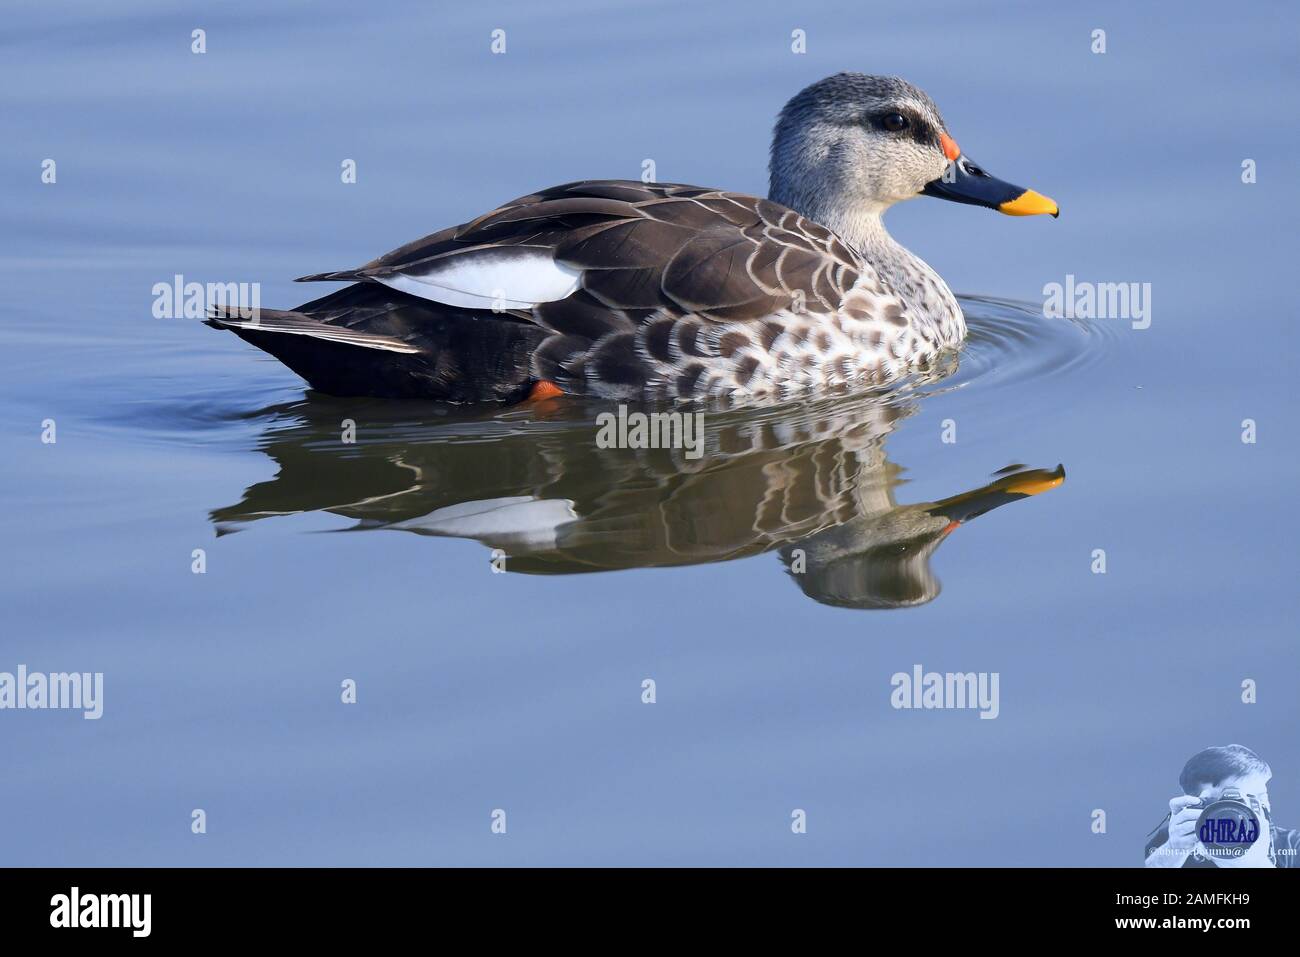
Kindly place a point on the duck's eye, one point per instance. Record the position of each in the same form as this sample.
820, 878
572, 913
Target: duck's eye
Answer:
894, 122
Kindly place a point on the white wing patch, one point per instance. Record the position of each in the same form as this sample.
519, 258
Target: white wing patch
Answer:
516, 277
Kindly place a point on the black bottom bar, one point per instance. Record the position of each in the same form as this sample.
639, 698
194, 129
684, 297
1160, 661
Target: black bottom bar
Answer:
333, 905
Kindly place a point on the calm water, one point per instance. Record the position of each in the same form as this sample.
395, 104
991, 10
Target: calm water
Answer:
522, 691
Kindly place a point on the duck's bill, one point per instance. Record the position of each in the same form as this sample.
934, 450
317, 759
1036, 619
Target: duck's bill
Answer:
1009, 488
964, 182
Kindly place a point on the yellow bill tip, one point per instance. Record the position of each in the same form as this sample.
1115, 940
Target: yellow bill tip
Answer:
1035, 484
1029, 203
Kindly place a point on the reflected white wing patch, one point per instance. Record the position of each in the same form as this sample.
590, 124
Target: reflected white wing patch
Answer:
516, 277
519, 520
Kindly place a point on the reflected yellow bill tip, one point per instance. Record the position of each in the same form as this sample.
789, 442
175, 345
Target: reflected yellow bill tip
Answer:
1035, 484
1029, 203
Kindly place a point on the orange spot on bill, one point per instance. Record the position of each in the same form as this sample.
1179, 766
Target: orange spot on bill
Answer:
950, 147
950, 527
542, 389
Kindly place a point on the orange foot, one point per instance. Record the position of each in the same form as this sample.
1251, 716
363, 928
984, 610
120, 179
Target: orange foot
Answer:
542, 389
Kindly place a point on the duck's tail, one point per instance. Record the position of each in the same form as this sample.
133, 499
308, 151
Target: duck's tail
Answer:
367, 339
334, 358
256, 324
337, 275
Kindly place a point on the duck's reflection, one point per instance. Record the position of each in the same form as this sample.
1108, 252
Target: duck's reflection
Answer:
811, 481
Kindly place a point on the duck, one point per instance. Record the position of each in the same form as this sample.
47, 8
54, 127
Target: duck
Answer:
632, 290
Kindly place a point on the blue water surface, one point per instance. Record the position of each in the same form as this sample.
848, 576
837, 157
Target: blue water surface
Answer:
523, 692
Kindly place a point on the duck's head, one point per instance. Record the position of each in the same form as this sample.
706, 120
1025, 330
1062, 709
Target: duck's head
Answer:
848, 147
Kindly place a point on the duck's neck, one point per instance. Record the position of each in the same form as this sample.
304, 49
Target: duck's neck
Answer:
864, 230
862, 227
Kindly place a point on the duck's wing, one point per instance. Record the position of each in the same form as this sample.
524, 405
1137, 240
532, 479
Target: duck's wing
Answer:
590, 260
